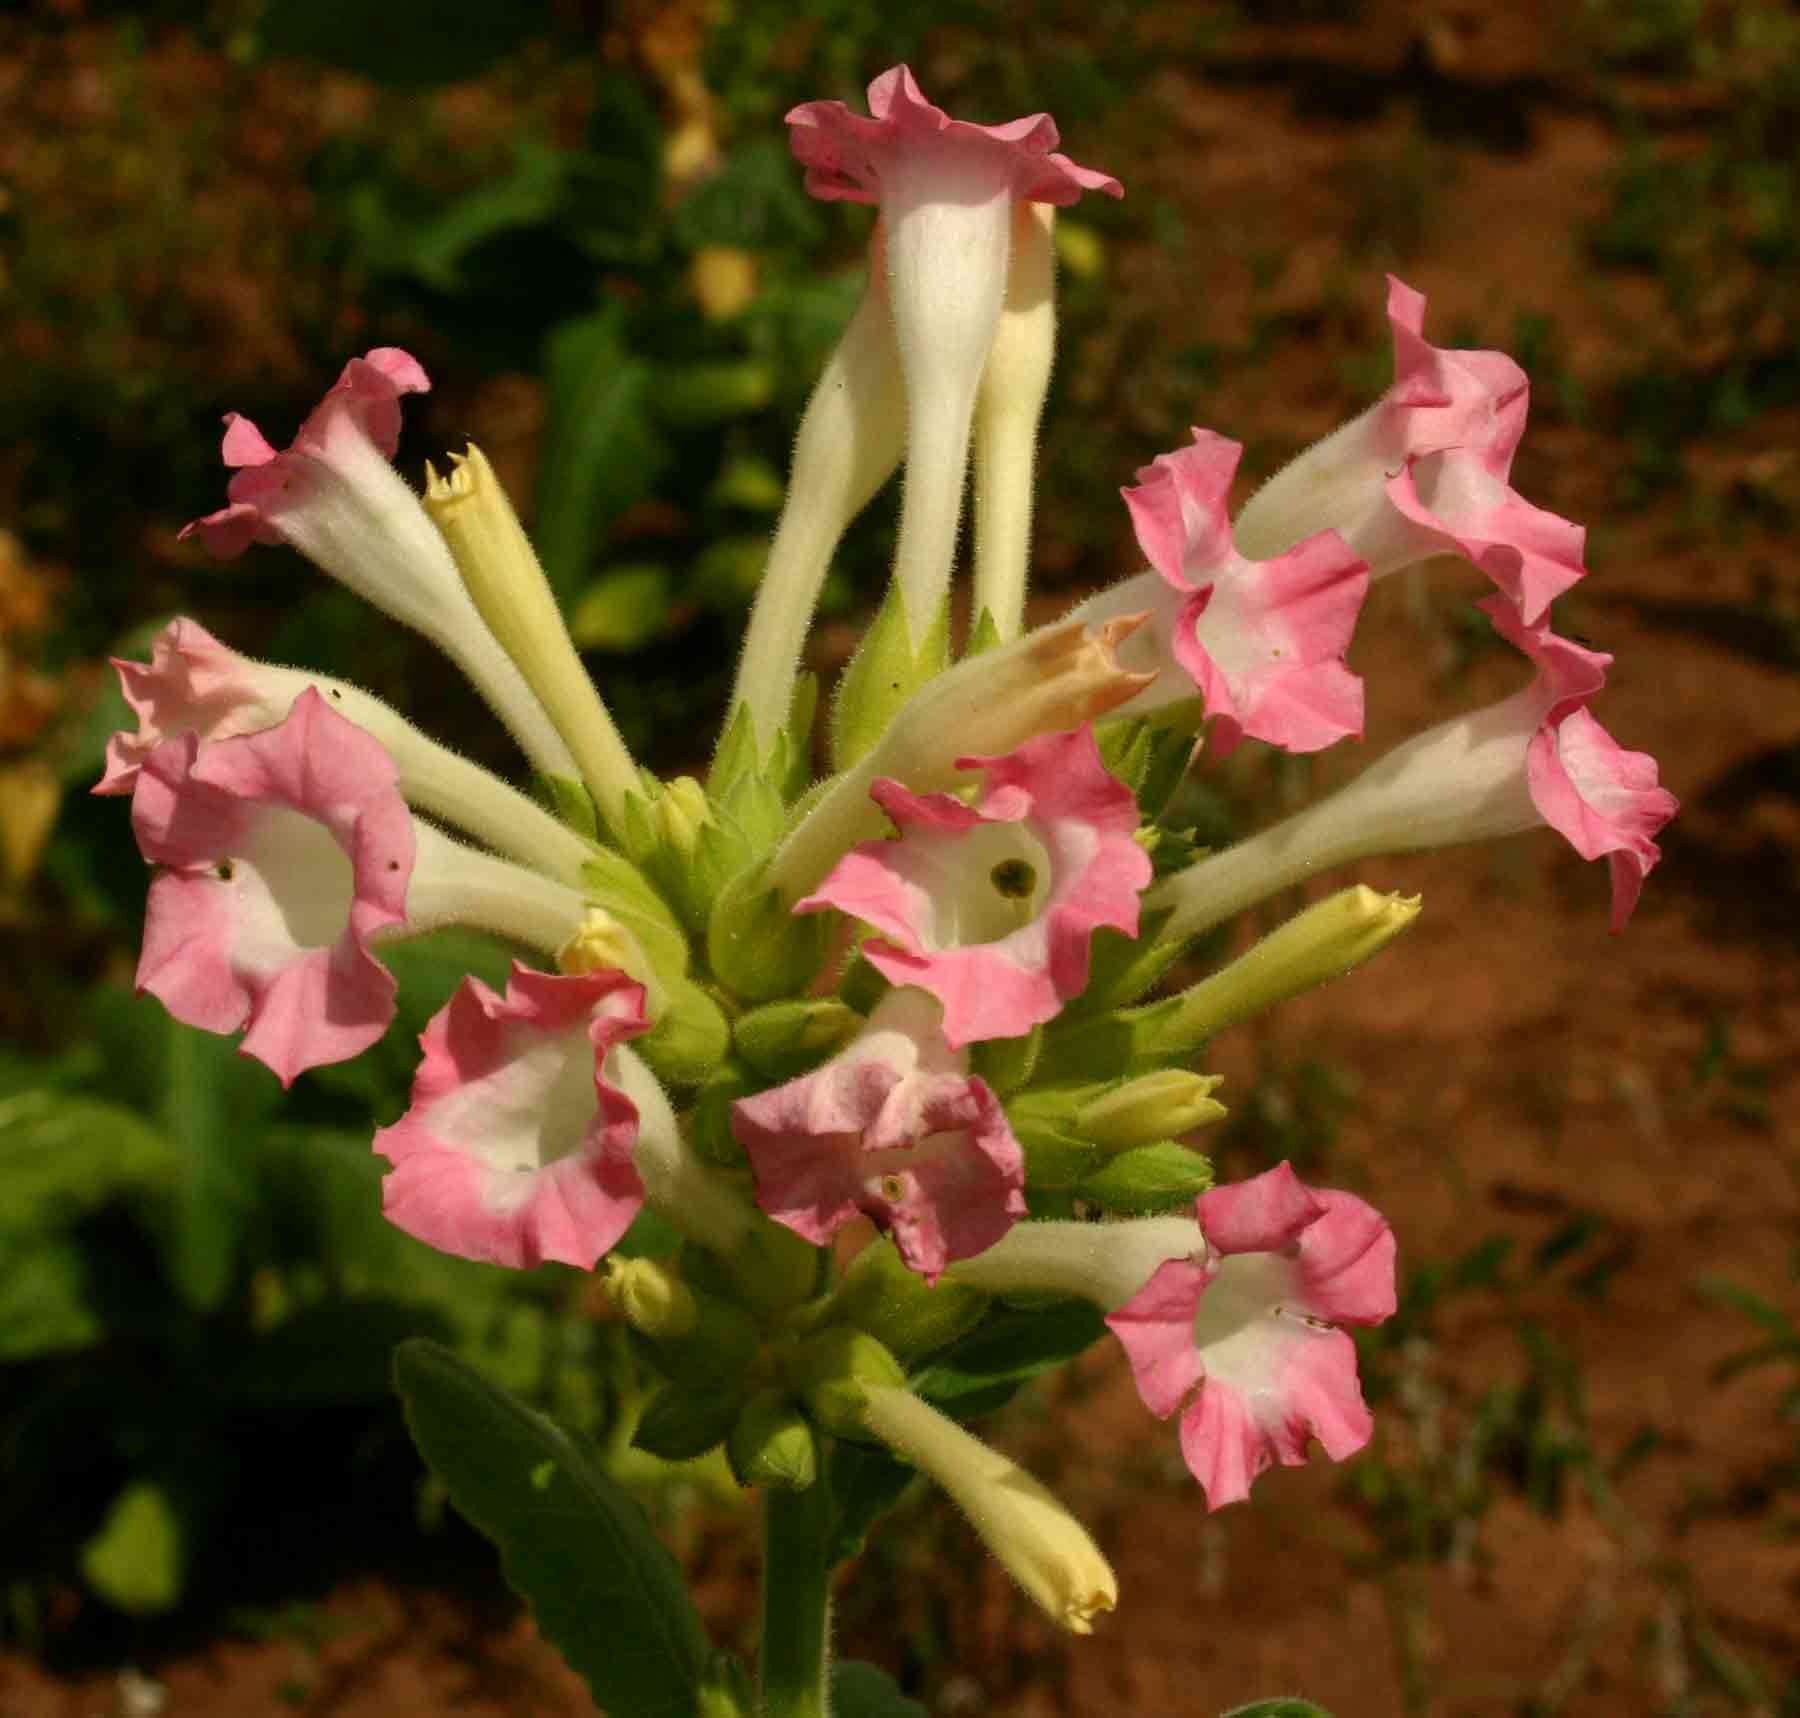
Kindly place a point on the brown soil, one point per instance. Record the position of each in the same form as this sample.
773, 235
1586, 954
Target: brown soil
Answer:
1515, 1066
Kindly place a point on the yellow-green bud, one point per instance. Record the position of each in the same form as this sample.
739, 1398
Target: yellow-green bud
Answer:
680, 812
758, 947
834, 1372
654, 1301
690, 1038
782, 1039
501, 572
907, 1315
775, 1269
1155, 1106
772, 1444
1148, 1180
602, 944
1321, 943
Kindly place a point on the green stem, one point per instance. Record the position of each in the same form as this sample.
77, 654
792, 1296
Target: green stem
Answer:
796, 1619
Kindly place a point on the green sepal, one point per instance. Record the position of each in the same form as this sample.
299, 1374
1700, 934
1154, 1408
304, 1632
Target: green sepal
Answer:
718, 1352
983, 636
572, 1542
772, 1444
1122, 968
1128, 1041
1055, 1162
610, 880
570, 802
885, 671
690, 1039
1149, 755
792, 767
910, 1317
683, 1422
782, 1039
758, 947
862, 987
1008, 1063
776, 1270
833, 1373
1148, 1180
737, 754
709, 1121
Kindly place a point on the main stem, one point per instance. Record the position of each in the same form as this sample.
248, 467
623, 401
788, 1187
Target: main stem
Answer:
796, 1617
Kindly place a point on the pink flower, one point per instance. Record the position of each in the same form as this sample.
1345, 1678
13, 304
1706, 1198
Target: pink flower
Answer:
893, 1126
359, 417
1240, 1334
1603, 800
1263, 640
519, 1143
991, 906
1424, 472
192, 684
284, 854
854, 159
947, 190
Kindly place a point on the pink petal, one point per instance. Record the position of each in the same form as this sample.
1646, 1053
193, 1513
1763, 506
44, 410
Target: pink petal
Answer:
892, 1128
191, 684
1602, 799
1261, 1215
517, 1148
1156, 1329
933, 893
285, 852
1230, 1435
845, 154
1263, 640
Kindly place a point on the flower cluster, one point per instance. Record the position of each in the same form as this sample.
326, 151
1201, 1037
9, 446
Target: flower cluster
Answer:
913, 997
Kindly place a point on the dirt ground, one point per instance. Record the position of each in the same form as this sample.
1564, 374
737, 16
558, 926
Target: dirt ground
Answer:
1514, 1068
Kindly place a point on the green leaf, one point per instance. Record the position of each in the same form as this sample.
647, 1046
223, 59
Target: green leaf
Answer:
135, 1560
63, 1155
863, 1691
601, 449
865, 1482
579, 1549
217, 1186
405, 43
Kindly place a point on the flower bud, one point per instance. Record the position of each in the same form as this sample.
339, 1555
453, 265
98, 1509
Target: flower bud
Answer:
1152, 1107
782, 1039
690, 1037
652, 1299
602, 944
772, 1445
910, 1317
757, 947
836, 1372
1148, 1180
500, 571
680, 812
1044, 1548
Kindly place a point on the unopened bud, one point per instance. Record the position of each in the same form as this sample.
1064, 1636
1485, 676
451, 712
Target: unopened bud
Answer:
772, 1445
653, 1300
685, 1420
602, 944
783, 1039
907, 1315
835, 1373
757, 946
1148, 1180
1321, 943
1162, 1105
690, 1038
1039, 1543
680, 813
501, 572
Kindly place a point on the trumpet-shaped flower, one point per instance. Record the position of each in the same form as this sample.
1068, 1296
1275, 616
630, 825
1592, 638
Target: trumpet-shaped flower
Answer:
946, 190
283, 854
1263, 640
1239, 1338
1424, 472
992, 906
893, 1126
1535, 758
335, 496
519, 1143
